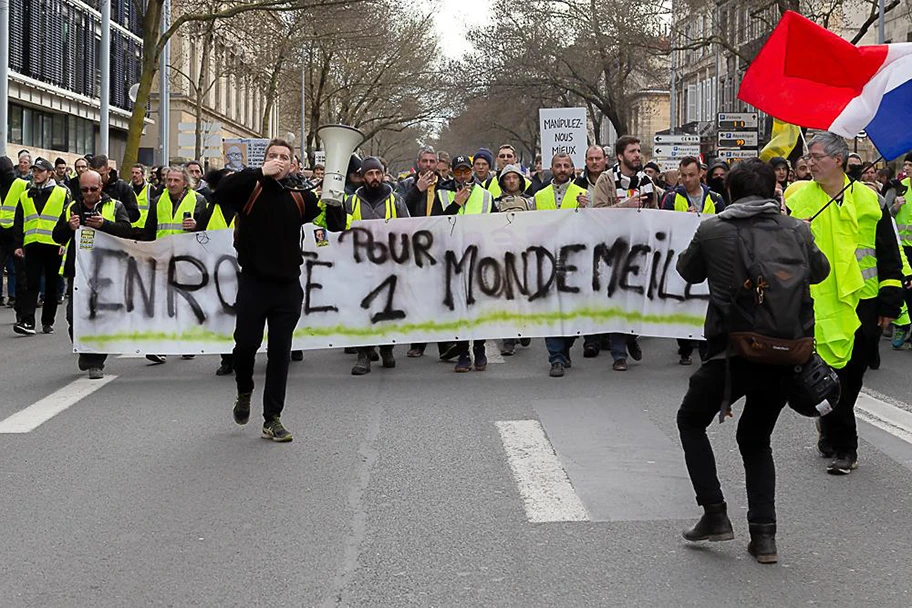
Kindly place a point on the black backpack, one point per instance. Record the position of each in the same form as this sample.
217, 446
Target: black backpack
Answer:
771, 320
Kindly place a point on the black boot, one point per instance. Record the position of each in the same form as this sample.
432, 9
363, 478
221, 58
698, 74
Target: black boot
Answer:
763, 543
386, 356
713, 526
363, 365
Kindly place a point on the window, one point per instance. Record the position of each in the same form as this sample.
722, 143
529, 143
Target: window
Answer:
15, 124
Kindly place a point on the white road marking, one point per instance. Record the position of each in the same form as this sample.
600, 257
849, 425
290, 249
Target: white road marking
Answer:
41, 411
492, 351
875, 410
548, 495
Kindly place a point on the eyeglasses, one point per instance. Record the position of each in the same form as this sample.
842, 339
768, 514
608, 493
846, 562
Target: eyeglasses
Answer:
817, 157
89, 189
504, 156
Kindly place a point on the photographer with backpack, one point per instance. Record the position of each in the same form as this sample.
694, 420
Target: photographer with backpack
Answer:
759, 326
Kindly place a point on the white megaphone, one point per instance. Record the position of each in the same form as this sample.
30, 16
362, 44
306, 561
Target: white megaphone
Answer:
339, 142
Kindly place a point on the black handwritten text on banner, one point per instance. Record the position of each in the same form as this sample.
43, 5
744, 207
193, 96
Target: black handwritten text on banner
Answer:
543, 273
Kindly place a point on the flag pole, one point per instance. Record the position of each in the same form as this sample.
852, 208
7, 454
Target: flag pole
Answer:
846, 187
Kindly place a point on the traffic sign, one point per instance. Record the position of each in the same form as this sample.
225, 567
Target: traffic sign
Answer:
730, 155
737, 120
738, 139
676, 150
676, 139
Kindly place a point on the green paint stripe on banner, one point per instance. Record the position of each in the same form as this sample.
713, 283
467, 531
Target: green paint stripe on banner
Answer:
203, 335
505, 317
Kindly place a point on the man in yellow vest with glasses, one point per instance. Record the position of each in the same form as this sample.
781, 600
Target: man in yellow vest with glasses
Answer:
468, 198
863, 292
178, 209
11, 188
142, 189
374, 200
100, 212
33, 227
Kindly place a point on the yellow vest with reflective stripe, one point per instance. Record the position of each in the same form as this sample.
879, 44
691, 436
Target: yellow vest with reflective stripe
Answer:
390, 204
170, 220
217, 220
38, 228
479, 201
546, 200
845, 234
904, 217
11, 201
142, 201
107, 212
682, 203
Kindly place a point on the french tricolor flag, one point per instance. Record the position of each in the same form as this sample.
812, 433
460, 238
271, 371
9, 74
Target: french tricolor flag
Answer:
809, 76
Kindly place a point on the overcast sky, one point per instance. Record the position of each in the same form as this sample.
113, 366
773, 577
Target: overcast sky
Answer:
454, 19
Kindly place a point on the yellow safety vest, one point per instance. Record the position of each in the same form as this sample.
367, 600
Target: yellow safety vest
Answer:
320, 220
492, 186
107, 212
11, 201
142, 201
217, 220
390, 204
682, 203
546, 200
38, 228
170, 220
479, 201
904, 218
846, 234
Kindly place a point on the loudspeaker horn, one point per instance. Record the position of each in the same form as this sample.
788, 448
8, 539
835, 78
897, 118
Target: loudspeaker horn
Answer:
339, 142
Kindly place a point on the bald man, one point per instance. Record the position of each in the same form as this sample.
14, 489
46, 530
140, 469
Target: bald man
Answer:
100, 212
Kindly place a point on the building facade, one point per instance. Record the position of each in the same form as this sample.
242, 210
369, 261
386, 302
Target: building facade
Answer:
706, 78
54, 76
225, 81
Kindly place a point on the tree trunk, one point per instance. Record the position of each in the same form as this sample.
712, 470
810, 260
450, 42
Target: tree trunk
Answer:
272, 91
151, 25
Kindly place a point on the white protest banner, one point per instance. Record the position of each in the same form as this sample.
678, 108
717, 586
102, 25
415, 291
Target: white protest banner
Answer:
563, 130
243, 153
543, 273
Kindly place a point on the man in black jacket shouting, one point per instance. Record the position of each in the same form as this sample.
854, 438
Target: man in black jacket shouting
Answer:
270, 214
714, 256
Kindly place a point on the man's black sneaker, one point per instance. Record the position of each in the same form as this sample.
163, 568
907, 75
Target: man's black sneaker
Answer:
374, 356
843, 464
225, 369
590, 351
464, 364
557, 370
297, 355
241, 409
47, 329
26, 329
450, 352
633, 347
525, 341
96, 373
159, 359
685, 360
386, 354
274, 430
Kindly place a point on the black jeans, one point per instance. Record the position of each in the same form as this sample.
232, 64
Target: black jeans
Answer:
258, 303
40, 259
838, 428
21, 278
765, 388
86, 360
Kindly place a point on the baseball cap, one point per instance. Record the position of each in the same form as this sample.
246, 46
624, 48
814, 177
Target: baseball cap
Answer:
43, 164
461, 161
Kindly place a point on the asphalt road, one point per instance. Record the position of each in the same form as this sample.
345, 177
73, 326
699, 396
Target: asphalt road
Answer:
397, 490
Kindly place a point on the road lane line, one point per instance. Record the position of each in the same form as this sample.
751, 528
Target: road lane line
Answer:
41, 411
888, 417
548, 495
